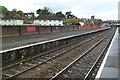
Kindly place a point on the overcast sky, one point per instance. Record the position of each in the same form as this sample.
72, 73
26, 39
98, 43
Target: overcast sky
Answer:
102, 9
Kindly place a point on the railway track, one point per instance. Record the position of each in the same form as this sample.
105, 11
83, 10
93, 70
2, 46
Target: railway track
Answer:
85, 65
21, 67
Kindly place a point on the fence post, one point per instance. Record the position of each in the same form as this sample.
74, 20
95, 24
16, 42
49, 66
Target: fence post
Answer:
67, 28
51, 29
38, 30
20, 33
60, 28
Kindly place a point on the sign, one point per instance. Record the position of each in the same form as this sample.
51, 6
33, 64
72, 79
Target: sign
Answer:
32, 28
57, 28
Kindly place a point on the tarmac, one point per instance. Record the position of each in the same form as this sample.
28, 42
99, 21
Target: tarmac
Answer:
17, 41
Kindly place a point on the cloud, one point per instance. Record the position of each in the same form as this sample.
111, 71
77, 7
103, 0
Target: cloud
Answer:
84, 8
24, 5
109, 14
80, 8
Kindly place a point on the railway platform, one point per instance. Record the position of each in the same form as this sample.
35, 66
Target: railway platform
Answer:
110, 67
17, 41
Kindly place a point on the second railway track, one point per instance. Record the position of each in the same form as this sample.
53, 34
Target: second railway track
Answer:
83, 67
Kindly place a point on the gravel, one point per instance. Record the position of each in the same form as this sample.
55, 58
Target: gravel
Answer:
50, 68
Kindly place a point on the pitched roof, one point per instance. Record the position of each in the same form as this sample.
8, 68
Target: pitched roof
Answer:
11, 17
48, 17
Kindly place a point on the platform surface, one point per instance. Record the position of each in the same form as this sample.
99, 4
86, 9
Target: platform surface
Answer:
110, 68
17, 41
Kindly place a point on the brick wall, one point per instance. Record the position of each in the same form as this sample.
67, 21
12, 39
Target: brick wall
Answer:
27, 30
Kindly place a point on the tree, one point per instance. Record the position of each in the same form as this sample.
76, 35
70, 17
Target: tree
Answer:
69, 15
71, 21
8, 13
14, 10
47, 11
3, 10
59, 14
38, 11
44, 11
20, 13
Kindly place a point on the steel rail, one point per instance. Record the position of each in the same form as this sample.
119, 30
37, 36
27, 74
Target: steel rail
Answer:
45, 60
78, 58
97, 61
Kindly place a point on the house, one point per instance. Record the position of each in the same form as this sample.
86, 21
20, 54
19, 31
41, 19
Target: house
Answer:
11, 20
49, 20
81, 23
29, 15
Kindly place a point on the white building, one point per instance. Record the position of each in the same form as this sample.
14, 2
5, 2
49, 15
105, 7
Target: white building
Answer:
48, 20
81, 23
9, 20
